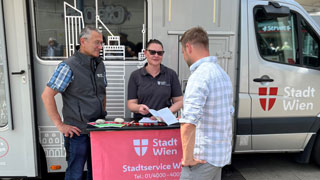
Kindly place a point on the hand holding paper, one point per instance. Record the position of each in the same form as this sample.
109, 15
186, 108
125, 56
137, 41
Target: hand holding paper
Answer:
143, 109
164, 114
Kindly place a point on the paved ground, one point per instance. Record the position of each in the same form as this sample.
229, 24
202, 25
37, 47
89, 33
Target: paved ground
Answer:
263, 167
270, 167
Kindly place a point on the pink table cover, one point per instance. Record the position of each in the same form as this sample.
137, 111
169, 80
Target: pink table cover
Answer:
136, 154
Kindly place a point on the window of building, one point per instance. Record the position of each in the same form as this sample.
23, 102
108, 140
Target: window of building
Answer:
123, 18
276, 37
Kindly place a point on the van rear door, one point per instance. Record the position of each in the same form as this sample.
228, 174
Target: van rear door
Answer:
17, 129
283, 68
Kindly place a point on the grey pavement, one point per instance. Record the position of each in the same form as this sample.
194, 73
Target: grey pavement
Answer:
270, 167
262, 167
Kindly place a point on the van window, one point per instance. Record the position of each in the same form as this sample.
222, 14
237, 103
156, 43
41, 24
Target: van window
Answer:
310, 45
123, 18
276, 37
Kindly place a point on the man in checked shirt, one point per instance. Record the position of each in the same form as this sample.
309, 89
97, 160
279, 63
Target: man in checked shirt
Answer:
81, 80
206, 125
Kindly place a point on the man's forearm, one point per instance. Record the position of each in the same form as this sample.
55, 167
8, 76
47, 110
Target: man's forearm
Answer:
53, 112
50, 105
188, 139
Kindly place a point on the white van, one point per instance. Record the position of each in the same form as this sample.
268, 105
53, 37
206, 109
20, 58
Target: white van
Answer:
270, 49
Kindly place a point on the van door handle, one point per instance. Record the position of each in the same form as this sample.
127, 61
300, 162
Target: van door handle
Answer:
18, 73
262, 80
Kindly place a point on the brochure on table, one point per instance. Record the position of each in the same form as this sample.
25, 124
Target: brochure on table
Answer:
106, 124
162, 115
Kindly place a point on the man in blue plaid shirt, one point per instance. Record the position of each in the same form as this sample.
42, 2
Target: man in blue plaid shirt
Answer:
81, 80
206, 125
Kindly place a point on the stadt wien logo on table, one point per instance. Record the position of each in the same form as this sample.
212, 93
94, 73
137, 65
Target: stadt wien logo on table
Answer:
140, 146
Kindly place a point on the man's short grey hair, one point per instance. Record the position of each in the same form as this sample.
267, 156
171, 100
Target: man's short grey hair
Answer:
86, 32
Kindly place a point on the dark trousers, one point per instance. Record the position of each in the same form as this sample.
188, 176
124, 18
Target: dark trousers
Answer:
78, 153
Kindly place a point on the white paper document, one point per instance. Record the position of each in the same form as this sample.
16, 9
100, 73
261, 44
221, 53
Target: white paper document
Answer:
164, 114
147, 120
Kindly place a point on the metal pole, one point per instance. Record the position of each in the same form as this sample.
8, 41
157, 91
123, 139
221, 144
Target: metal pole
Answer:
97, 15
65, 29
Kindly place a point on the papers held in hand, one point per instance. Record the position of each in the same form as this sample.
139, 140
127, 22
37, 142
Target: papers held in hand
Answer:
162, 115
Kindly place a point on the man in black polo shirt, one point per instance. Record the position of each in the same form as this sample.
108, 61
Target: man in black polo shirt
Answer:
154, 86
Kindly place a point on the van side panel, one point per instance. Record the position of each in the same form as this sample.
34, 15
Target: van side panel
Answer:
243, 109
18, 142
220, 18
286, 107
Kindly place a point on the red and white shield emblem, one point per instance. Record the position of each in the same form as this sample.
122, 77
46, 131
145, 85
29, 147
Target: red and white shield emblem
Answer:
267, 97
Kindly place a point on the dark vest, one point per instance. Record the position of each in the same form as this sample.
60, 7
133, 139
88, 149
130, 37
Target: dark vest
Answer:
84, 97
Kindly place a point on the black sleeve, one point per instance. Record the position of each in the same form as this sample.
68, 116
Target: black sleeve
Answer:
132, 87
175, 85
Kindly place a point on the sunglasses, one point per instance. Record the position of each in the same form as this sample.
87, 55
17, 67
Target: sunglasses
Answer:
153, 52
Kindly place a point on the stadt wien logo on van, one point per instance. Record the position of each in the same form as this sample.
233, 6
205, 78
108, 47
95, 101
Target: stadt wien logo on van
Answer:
267, 97
140, 146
